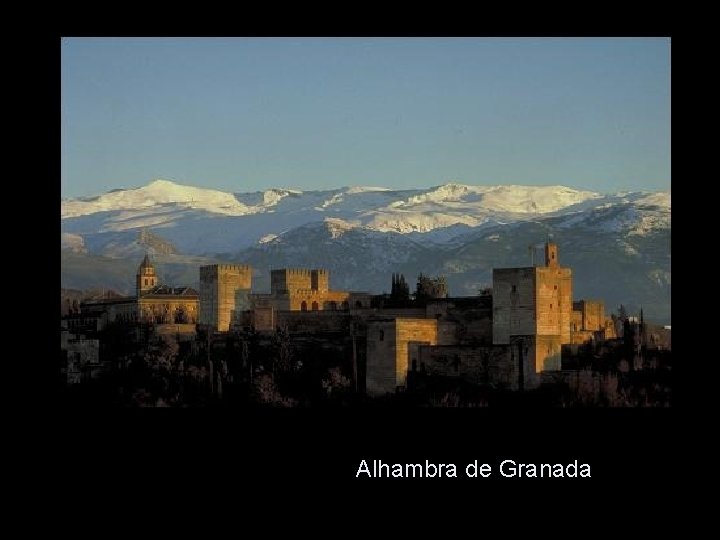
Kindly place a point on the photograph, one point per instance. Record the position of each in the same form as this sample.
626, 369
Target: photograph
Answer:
365, 223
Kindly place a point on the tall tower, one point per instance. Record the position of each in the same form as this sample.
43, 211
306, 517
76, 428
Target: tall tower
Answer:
534, 304
224, 290
145, 279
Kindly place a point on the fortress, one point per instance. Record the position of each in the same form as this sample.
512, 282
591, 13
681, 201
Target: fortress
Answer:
509, 336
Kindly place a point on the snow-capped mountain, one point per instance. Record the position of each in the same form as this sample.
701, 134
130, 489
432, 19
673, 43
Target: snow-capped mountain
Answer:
208, 221
363, 234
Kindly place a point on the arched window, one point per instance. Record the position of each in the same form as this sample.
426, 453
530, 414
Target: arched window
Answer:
303, 306
315, 306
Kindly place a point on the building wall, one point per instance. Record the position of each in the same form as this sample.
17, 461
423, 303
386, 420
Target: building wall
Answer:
581, 336
315, 300
320, 280
590, 322
393, 345
165, 310
514, 292
104, 311
311, 300
533, 305
224, 288
409, 334
298, 289
381, 377
263, 319
290, 279
576, 319
554, 304
593, 314
546, 353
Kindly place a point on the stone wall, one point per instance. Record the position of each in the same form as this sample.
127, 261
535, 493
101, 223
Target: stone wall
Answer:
170, 310
514, 301
390, 345
554, 302
290, 279
224, 288
592, 313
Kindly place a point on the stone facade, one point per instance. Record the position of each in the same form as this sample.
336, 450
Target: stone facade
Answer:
590, 323
161, 304
534, 301
393, 348
299, 289
153, 303
224, 291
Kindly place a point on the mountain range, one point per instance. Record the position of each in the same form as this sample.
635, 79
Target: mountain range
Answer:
618, 244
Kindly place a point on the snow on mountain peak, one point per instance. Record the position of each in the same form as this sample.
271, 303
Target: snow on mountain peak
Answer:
352, 190
156, 194
660, 199
505, 198
191, 216
338, 227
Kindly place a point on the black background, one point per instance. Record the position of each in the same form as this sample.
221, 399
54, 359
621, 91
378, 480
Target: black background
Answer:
284, 452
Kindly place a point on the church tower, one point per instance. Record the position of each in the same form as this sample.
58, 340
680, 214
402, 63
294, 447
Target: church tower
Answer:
145, 278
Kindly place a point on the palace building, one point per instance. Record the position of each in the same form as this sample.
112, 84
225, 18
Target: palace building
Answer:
153, 303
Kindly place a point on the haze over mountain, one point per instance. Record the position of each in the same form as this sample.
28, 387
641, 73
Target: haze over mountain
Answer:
618, 244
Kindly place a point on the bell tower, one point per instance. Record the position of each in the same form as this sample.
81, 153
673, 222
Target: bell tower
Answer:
145, 278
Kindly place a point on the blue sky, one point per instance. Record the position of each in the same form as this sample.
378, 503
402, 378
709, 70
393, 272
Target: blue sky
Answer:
246, 114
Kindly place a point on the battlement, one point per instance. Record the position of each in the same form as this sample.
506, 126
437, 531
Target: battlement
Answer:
222, 287
283, 280
299, 271
209, 270
291, 271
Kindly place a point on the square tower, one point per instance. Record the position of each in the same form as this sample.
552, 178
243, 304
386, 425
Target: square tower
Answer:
224, 289
535, 302
289, 280
319, 280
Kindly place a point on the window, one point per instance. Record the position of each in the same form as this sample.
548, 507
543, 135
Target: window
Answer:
514, 288
551, 306
382, 335
315, 306
303, 306
146, 281
555, 287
